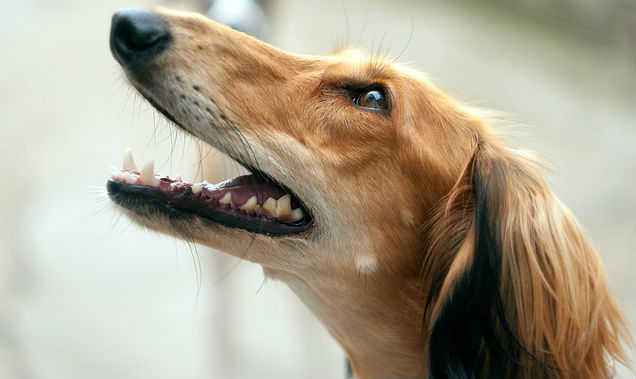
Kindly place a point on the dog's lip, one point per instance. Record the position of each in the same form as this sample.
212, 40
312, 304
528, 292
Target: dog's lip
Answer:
177, 199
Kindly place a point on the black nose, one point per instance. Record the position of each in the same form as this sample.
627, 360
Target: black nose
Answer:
137, 36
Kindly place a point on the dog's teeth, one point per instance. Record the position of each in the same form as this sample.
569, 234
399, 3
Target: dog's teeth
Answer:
297, 214
283, 206
250, 204
130, 178
226, 199
198, 187
147, 174
270, 206
129, 161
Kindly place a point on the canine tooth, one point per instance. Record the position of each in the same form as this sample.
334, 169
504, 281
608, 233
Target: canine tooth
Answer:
147, 173
226, 199
270, 206
297, 214
283, 206
250, 204
129, 161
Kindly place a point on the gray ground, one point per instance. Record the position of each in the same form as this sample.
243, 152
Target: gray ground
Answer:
84, 295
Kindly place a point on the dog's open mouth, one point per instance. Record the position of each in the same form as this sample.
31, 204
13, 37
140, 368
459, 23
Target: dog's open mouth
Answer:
255, 202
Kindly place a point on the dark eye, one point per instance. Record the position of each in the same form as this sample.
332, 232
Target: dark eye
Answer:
372, 99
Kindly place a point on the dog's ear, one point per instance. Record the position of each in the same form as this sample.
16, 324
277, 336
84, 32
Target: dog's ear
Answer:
515, 290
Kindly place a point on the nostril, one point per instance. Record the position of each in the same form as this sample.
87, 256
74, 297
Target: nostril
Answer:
137, 34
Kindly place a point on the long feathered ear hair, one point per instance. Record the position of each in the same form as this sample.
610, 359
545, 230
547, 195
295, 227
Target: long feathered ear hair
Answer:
515, 289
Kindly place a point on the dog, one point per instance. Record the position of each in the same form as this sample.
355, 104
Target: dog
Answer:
424, 244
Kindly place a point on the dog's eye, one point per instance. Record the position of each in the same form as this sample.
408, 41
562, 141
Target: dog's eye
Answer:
372, 99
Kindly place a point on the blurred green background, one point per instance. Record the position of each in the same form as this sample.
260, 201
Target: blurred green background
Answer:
85, 294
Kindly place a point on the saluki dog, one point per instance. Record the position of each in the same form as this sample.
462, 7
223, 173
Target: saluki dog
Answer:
424, 244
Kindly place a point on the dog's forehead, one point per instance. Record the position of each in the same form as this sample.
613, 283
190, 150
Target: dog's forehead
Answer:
348, 53
357, 65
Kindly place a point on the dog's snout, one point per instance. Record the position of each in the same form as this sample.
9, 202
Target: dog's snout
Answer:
137, 36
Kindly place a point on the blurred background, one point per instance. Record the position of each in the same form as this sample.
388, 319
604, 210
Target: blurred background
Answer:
83, 293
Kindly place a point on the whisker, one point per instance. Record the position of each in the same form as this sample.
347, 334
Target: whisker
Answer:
262, 284
364, 22
408, 42
109, 235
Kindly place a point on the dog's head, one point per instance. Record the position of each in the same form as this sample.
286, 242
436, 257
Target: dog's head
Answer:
363, 171
361, 146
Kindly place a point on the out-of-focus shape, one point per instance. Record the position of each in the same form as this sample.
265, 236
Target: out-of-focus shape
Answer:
245, 15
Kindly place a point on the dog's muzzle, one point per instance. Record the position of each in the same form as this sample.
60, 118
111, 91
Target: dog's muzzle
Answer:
136, 36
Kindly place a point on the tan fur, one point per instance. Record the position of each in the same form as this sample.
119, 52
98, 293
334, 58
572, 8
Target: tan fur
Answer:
391, 199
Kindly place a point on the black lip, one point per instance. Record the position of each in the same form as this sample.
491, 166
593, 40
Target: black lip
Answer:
137, 197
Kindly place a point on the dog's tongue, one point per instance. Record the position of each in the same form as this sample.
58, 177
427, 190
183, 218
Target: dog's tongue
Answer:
243, 188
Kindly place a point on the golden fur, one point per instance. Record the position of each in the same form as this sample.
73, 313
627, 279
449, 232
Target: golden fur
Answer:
403, 205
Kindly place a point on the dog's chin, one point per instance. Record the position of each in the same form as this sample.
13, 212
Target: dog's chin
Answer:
195, 229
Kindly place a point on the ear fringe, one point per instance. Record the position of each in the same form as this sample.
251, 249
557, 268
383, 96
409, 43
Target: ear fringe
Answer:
515, 289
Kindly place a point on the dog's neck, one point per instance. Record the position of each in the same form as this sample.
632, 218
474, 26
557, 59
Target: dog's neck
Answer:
375, 319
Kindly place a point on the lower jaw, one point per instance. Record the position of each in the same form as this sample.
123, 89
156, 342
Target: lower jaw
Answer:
136, 197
